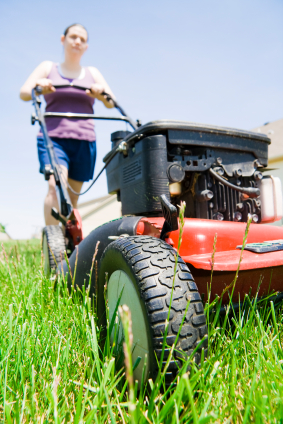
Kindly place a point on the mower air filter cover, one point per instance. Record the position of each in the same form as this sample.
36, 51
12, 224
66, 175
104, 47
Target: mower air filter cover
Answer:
271, 199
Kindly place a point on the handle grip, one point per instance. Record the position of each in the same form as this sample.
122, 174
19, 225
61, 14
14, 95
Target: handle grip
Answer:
39, 90
80, 87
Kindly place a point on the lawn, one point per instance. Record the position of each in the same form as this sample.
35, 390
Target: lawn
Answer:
52, 369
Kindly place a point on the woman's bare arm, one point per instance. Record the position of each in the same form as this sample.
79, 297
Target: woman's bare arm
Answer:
38, 76
99, 86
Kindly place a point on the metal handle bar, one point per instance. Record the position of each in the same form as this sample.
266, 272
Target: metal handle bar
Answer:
108, 97
64, 200
80, 87
85, 116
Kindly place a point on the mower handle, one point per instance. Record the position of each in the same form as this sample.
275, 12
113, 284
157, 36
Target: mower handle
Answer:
39, 90
64, 200
79, 87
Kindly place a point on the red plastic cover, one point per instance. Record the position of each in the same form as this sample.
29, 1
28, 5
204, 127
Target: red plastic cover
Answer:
198, 238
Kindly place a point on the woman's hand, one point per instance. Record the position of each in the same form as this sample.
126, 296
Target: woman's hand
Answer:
96, 91
46, 85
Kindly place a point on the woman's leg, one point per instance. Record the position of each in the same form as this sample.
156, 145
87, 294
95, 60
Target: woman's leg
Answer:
51, 198
76, 186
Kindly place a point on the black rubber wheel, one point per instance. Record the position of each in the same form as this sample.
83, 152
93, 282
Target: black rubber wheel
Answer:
142, 268
53, 247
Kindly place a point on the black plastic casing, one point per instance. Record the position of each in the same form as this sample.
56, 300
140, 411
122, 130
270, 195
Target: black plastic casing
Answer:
140, 177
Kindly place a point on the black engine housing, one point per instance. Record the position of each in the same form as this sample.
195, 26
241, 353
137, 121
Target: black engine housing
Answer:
163, 153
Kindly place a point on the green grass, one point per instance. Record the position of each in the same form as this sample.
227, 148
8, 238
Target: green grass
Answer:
51, 368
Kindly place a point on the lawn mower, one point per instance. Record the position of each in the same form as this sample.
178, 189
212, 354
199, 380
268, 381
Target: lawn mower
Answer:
218, 172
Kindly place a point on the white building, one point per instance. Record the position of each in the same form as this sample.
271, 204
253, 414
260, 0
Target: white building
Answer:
4, 236
274, 130
98, 211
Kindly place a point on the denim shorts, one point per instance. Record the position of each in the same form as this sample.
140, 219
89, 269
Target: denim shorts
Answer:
78, 156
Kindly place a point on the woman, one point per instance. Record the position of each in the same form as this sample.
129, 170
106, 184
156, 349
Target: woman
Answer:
74, 140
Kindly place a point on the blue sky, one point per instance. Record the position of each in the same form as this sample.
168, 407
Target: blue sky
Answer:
209, 61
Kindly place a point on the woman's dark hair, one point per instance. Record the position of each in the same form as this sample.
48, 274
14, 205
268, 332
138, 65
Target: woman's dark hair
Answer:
70, 26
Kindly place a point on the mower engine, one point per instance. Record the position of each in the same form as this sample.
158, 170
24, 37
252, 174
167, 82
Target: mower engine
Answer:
217, 171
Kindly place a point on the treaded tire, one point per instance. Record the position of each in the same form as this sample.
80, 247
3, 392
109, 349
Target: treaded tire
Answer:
53, 247
149, 263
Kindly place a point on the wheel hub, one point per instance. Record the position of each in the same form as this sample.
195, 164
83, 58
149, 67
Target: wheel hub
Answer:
120, 284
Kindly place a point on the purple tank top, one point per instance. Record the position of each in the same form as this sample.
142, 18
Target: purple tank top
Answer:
70, 100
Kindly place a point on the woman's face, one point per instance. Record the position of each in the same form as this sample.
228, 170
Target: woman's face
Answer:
75, 42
